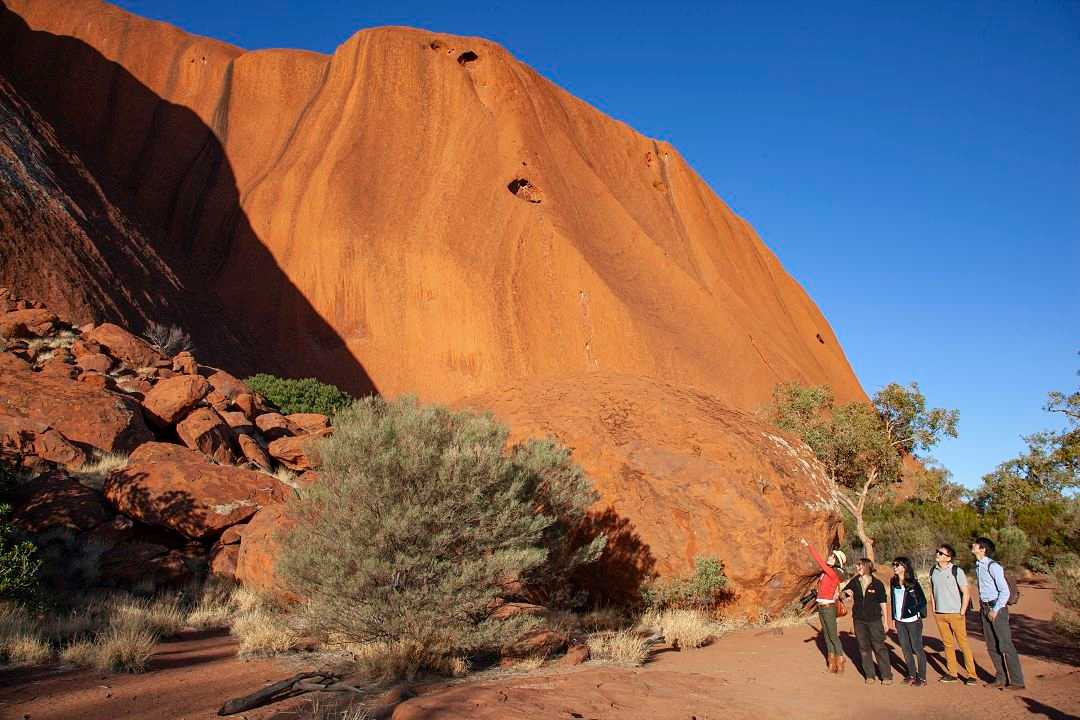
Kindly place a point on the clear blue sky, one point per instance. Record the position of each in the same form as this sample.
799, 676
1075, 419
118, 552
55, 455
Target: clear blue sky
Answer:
916, 166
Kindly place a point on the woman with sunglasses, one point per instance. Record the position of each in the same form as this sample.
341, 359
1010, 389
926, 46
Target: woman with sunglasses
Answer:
908, 608
827, 590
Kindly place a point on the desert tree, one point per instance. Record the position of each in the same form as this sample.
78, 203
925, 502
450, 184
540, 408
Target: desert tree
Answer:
862, 444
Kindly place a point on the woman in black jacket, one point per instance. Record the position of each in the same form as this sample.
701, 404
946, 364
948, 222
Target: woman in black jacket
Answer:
907, 609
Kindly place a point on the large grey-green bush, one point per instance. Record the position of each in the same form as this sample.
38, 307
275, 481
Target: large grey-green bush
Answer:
424, 518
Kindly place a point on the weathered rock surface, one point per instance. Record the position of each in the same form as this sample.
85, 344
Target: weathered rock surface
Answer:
630, 264
206, 431
275, 425
82, 413
173, 398
679, 476
298, 453
253, 451
58, 501
309, 422
125, 346
256, 563
171, 486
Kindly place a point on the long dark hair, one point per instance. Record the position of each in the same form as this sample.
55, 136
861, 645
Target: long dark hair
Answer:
909, 572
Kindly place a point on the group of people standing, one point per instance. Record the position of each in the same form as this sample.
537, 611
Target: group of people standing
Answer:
902, 608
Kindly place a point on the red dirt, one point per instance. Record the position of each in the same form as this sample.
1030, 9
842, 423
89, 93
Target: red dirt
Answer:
187, 678
749, 674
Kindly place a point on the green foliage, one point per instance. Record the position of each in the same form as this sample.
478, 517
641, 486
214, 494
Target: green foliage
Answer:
911, 427
423, 519
307, 395
18, 564
1044, 471
703, 590
1067, 594
1012, 545
933, 484
916, 528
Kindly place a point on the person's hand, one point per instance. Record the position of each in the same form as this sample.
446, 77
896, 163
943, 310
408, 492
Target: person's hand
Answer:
803, 541
993, 615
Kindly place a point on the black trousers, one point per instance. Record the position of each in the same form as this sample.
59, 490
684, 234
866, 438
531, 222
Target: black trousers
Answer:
999, 644
910, 634
871, 637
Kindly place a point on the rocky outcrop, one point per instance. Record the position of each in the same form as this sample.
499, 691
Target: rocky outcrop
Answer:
680, 475
530, 234
256, 565
173, 487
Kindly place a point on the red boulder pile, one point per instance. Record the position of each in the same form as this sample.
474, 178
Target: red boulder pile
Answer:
144, 465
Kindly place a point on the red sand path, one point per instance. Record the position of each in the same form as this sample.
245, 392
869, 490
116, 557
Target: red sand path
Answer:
749, 674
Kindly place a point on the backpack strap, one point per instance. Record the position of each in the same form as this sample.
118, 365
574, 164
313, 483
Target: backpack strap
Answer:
956, 577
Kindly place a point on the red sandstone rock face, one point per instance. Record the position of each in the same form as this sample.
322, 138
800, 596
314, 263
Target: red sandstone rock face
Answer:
253, 451
81, 412
173, 398
26, 323
204, 430
680, 476
57, 501
170, 486
298, 453
628, 264
255, 565
124, 346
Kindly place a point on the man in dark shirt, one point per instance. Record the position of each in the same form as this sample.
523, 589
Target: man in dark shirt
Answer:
867, 597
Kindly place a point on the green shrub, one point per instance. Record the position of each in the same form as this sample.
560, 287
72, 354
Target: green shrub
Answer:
1067, 594
703, 590
1012, 546
18, 564
423, 518
306, 395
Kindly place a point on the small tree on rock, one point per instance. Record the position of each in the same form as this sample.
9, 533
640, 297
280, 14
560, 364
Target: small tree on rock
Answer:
862, 445
423, 520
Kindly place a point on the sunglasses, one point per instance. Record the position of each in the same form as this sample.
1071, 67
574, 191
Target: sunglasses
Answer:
944, 554
898, 564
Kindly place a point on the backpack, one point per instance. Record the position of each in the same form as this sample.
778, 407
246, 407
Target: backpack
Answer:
1014, 591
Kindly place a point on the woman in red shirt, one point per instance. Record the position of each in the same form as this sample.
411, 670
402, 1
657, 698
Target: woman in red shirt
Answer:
828, 585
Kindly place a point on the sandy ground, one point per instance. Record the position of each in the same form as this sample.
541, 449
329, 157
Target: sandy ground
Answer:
749, 674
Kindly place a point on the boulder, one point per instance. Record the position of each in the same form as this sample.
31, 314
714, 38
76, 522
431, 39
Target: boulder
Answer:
232, 535
223, 561
143, 566
173, 398
541, 641
84, 413
58, 366
94, 380
127, 348
96, 362
85, 347
227, 385
256, 564
204, 430
170, 486
507, 610
253, 451
184, 364
575, 655
298, 453
51, 445
238, 421
27, 323
680, 475
134, 385
246, 403
217, 400
309, 422
58, 501
275, 425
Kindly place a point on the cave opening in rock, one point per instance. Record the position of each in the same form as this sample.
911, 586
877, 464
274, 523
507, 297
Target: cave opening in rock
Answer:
467, 57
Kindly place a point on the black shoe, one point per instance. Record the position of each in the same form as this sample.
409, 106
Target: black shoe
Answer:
948, 679
1014, 687
995, 683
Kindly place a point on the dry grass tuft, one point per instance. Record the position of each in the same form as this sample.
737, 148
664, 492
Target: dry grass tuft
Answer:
162, 616
83, 653
285, 475
534, 662
601, 619
216, 607
384, 663
684, 629
27, 649
262, 632
125, 648
94, 473
618, 647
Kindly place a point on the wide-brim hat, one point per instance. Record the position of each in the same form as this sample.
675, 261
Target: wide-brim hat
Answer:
840, 556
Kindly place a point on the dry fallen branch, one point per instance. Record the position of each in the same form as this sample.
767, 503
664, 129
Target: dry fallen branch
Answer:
285, 689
